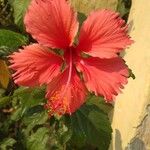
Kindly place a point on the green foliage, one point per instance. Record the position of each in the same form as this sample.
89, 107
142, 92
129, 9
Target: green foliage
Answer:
4, 101
34, 130
100, 102
7, 142
19, 9
10, 41
81, 18
90, 127
123, 8
38, 140
27, 116
5, 13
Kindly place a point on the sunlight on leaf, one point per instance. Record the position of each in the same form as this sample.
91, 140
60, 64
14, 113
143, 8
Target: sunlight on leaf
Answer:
19, 8
38, 140
10, 41
7, 142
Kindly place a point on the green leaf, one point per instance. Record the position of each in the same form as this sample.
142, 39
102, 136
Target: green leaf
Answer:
35, 118
30, 102
90, 126
86, 6
10, 41
7, 142
38, 140
19, 8
18, 113
4, 101
100, 102
2, 92
81, 17
30, 97
121, 8
63, 132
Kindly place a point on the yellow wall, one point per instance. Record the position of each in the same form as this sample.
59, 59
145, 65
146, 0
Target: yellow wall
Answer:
131, 105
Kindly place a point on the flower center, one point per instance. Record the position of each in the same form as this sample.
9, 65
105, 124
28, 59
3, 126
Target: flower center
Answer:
58, 102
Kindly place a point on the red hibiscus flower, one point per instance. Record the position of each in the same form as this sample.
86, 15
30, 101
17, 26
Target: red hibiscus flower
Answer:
68, 77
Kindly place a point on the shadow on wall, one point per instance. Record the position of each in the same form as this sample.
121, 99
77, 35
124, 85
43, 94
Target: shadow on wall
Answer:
141, 140
136, 144
118, 140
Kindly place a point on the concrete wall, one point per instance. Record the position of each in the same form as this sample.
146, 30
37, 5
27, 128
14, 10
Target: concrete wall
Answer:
131, 116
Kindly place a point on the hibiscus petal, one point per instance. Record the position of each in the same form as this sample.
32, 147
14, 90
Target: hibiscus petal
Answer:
103, 35
104, 77
34, 65
65, 95
52, 23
